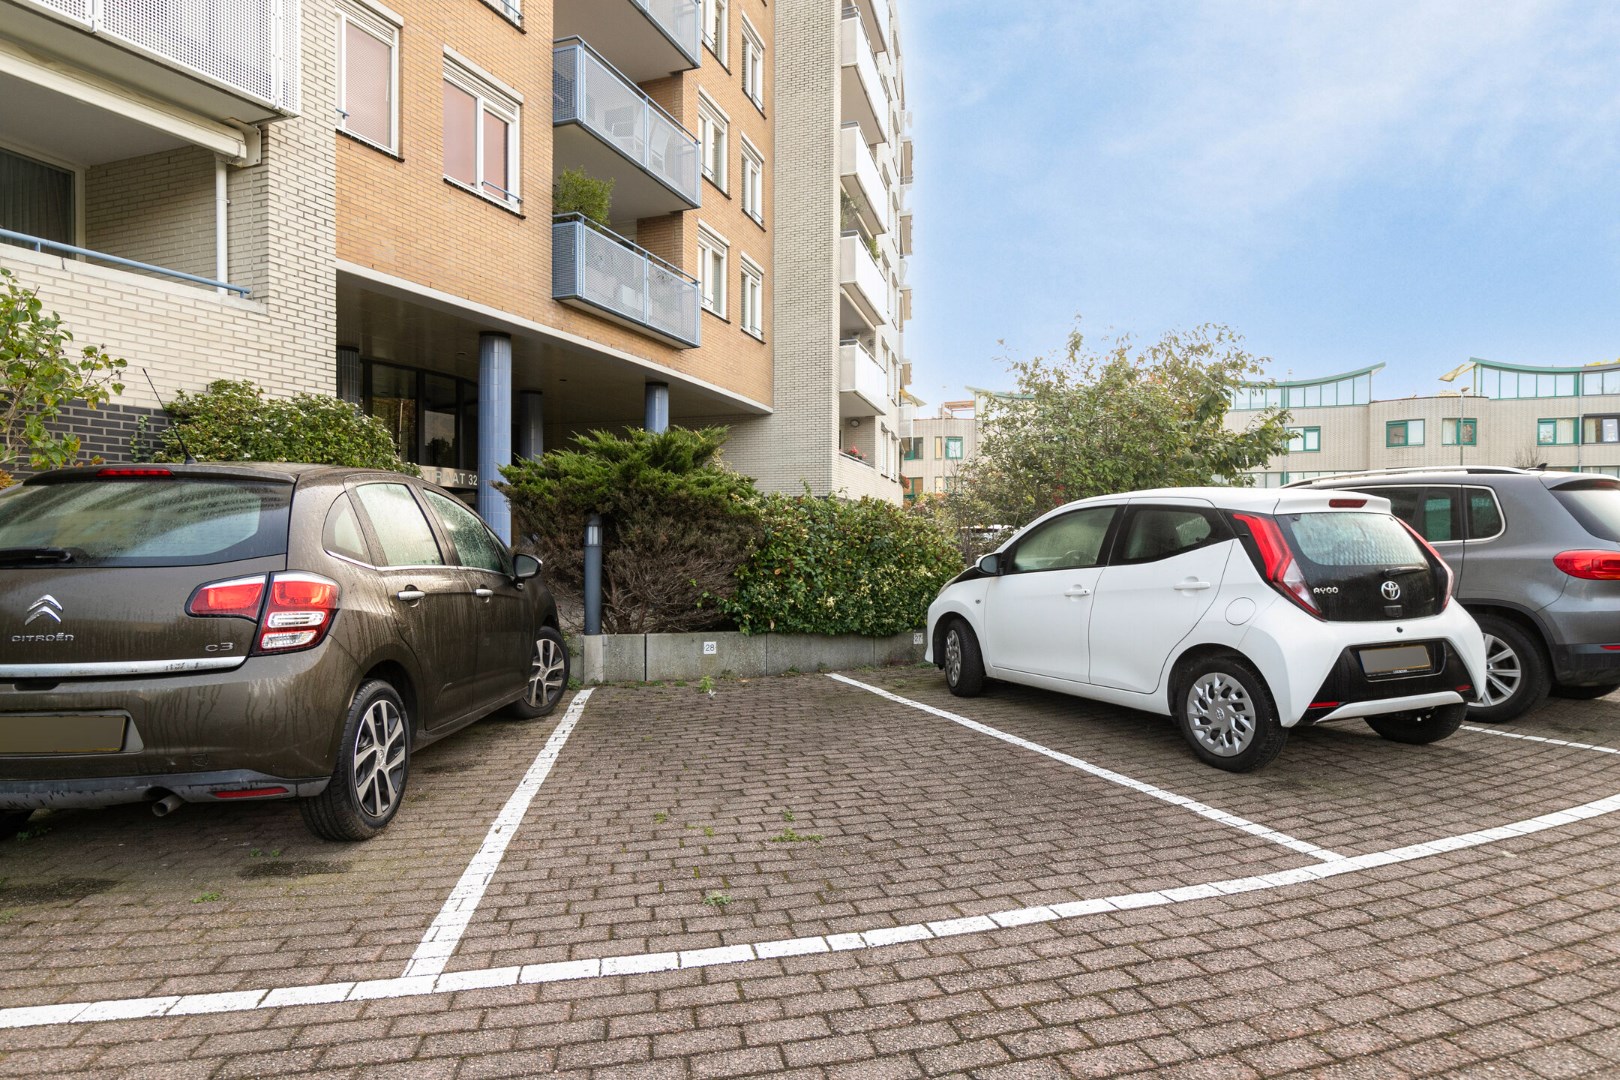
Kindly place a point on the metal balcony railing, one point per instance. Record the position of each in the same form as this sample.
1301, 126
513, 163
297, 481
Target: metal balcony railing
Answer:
599, 267
250, 46
41, 244
589, 91
680, 20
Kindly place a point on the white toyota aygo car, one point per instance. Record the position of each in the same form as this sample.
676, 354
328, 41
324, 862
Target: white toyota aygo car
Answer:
1241, 612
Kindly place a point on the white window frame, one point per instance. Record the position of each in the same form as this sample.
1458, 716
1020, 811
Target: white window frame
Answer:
714, 132
753, 180
714, 27
504, 103
751, 297
714, 263
753, 64
384, 25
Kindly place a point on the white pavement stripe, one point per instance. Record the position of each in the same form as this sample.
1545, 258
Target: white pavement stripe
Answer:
1255, 829
441, 939
85, 1012
1540, 739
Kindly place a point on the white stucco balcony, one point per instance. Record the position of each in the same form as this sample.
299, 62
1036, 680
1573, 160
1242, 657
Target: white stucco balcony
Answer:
865, 300
861, 88
861, 179
862, 386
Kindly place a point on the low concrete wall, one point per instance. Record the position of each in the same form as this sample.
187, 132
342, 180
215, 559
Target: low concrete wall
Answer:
663, 657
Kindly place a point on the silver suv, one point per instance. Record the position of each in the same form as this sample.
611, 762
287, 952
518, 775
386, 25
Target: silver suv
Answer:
1536, 556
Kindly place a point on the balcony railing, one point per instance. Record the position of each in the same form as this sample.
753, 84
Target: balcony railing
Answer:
588, 91
249, 46
43, 245
861, 178
860, 374
598, 267
680, 20
862, 279
863, 96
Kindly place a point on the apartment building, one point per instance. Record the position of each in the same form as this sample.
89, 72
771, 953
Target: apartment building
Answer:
371, 215
937, 449
1499, 414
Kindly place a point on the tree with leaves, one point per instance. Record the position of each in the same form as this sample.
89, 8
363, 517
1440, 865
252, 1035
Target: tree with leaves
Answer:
1125, 418
40, 377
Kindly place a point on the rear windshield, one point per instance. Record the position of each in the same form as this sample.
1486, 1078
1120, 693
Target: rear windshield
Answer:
1350, 539
148, 522
1595, 504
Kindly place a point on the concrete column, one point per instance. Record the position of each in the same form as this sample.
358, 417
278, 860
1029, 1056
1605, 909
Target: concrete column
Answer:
657, 407
494, 429
350, 383
531, 425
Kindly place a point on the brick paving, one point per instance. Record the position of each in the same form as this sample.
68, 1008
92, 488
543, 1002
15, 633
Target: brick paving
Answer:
1497, 960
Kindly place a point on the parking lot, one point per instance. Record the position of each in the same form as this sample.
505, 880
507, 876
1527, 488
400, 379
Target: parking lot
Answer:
851, 875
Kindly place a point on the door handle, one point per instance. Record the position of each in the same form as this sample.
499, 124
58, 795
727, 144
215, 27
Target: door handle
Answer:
1077, 591
484, 593
1190, 586
410, 596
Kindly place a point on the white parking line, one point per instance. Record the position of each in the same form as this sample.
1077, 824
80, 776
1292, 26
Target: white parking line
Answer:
85, 1012
1292, 843
441, 939
1540, 739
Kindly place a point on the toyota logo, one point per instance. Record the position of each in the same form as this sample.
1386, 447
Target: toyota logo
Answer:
1391, 591
46, 607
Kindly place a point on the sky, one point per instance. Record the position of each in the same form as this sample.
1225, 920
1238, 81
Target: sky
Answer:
1343, 183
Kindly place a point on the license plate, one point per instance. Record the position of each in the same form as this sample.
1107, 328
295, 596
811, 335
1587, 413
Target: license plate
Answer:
1400, 660
62, 733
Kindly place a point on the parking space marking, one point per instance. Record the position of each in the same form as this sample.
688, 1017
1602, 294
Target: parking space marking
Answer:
1242, 824
86, 1012
441, 939
1540, 739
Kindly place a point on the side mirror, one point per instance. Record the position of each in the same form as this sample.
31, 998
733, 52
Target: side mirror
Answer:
990, 564
525, 567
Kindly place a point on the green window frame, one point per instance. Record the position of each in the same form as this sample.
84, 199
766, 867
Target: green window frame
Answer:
1399, 433
953, 448
1459, 431
1304, 440
1557, 431
911, 449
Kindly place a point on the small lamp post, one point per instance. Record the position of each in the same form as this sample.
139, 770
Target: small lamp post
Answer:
1462, 394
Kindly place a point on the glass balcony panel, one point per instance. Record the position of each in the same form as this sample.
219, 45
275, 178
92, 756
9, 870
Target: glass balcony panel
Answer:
603, 270
862, 385
865, 292
862, 181
863, 97
643, 39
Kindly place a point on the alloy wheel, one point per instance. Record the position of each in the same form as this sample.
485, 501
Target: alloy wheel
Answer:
546, 674
1220, 714
379, 758
953, 656
1504, 672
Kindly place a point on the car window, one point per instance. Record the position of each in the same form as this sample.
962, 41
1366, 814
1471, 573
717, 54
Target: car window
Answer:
342, 535
169, 521
474, 544
1353, 539
1158, 532
1484, 514
1435, 512
1595, 504
1065, 543
403, 532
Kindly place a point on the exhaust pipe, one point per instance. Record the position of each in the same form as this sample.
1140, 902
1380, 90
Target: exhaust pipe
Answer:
167, 805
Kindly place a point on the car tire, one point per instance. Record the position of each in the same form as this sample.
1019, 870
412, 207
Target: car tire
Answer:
12, 822
368, 783
1516, 678
1584, 693
1226, 715
548, 677
964, 663
1422, 727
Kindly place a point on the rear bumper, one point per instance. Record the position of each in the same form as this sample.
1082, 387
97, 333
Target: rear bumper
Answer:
1585, 665
116, 790
1349, 693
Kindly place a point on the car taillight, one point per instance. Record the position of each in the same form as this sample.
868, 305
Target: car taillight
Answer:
1436, 560
125, 472
1277, 562
239, 598
1592, 565
299, 613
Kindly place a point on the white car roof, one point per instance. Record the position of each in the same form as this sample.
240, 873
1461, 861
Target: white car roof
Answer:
1251, 500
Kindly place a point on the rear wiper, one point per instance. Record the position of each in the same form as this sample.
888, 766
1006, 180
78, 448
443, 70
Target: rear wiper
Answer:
19, 556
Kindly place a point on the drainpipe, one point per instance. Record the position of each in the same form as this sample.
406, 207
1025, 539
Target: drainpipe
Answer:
222, 204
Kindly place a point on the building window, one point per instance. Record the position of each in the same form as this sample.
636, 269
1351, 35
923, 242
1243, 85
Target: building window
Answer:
953, 448
753, 64
911, 449
1600, 429
713, 125
751, 298
368, 76
939, 485
753, 182
1304, 440
37, 199
939, 447
1557, 431
1501, 383
1594, 383
1403, 433
432, 417
712, 256
714, 28
1459, 431
480, 134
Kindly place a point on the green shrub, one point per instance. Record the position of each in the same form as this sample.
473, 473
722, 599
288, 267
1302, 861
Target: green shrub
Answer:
826, 566
676, 523
577, 192
232, 421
